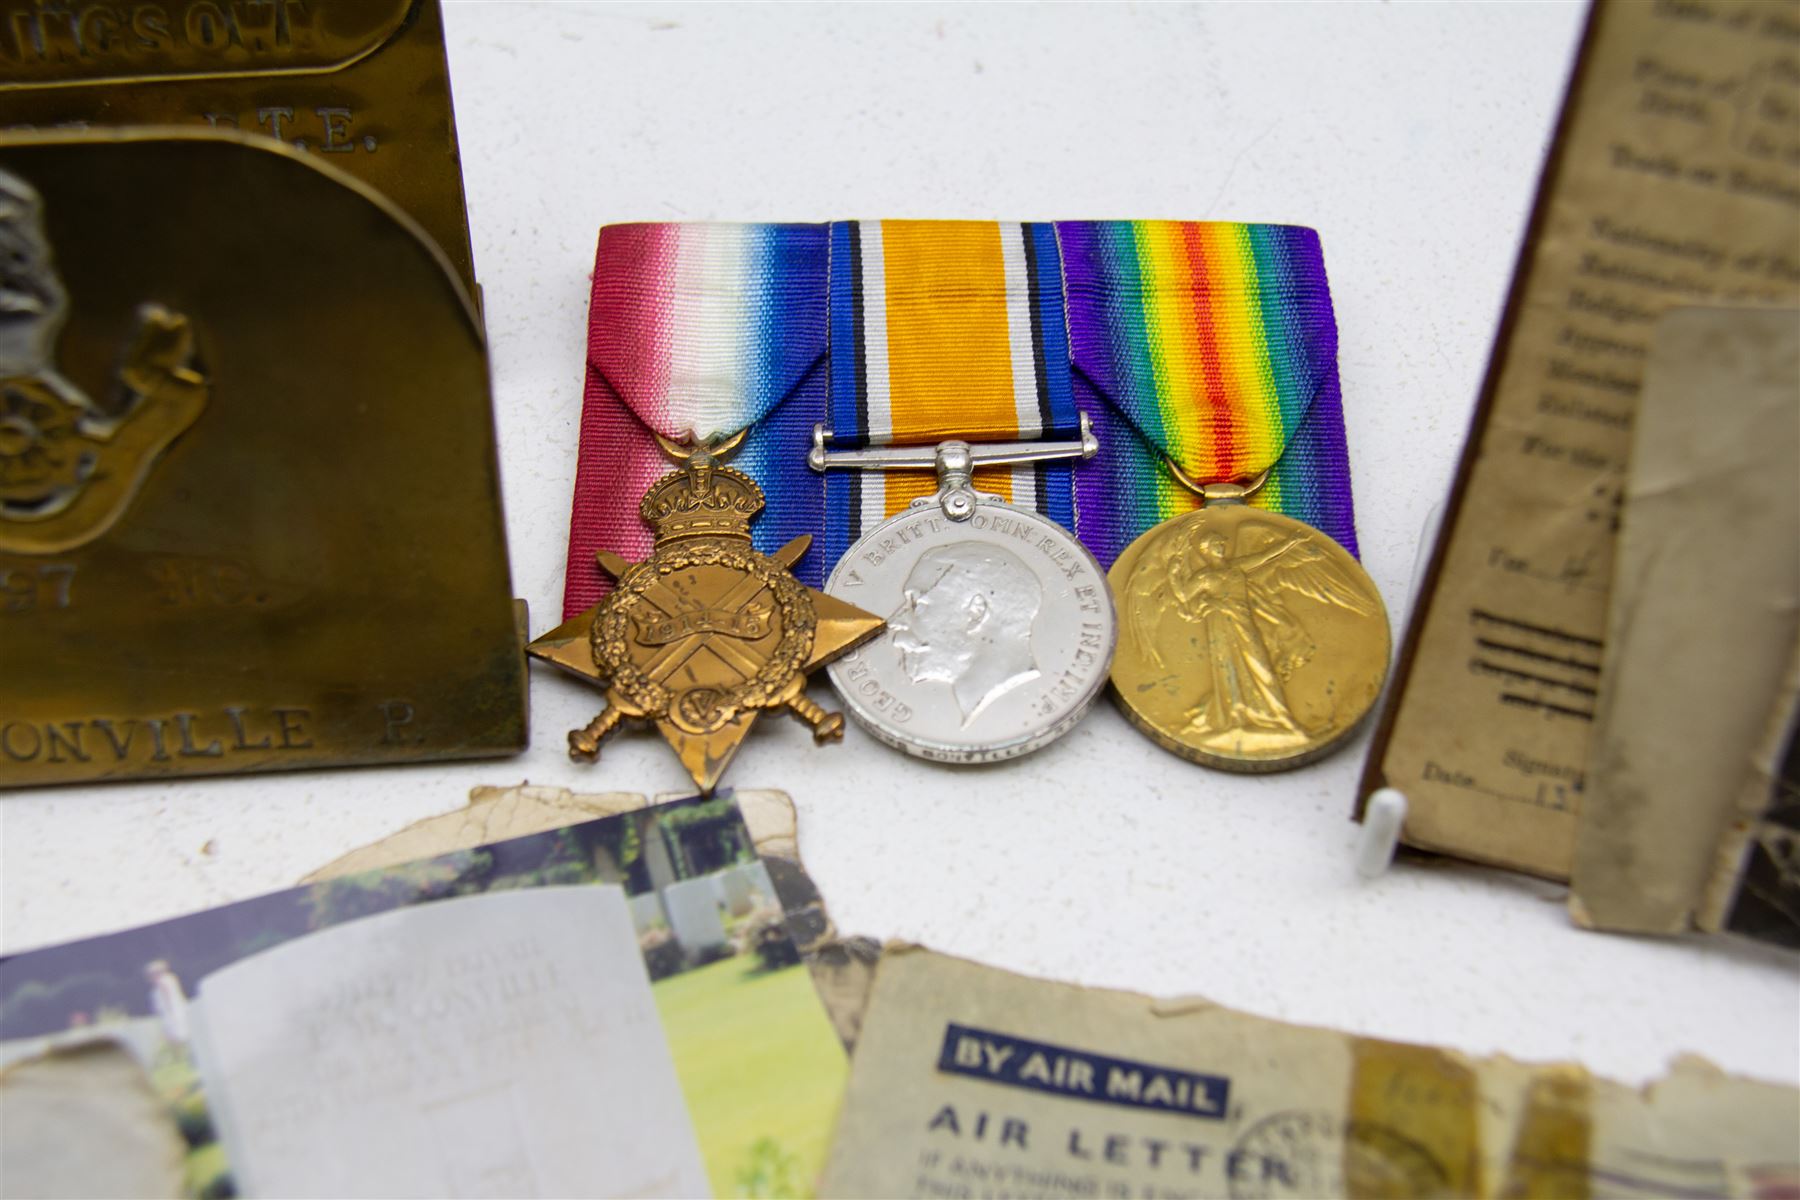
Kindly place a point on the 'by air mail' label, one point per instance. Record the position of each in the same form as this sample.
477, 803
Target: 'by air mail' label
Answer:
1081, 1074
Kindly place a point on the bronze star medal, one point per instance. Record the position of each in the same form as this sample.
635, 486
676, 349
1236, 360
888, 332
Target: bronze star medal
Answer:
705, 634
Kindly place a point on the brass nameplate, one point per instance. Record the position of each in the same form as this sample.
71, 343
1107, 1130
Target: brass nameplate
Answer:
249, 503
362, 83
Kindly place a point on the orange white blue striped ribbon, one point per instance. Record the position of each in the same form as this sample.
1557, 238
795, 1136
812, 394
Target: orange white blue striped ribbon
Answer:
945, 330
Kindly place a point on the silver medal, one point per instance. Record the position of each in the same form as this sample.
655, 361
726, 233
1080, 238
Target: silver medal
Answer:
1000, 624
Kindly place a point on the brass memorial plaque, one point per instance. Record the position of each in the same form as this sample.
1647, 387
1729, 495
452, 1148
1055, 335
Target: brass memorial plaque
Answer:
362, 84
249, 501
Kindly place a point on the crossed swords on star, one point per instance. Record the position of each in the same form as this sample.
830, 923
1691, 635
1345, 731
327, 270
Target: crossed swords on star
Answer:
826, 726
674, 656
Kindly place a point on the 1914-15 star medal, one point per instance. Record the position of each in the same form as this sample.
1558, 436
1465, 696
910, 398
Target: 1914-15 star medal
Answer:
706, 634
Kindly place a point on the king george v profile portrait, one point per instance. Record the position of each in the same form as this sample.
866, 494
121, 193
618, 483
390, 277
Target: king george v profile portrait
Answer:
965, 619
70, 463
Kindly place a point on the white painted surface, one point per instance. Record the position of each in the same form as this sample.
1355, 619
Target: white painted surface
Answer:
1409, 135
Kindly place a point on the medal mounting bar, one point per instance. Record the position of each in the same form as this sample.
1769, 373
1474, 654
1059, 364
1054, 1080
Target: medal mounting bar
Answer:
954, 461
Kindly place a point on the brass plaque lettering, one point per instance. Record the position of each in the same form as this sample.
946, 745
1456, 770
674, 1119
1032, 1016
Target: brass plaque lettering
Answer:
57, 42
363, 83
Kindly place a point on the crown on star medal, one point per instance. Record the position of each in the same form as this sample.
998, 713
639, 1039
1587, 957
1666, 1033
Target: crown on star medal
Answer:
707, 633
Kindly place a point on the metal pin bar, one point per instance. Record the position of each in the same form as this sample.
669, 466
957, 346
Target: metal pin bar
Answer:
925, 458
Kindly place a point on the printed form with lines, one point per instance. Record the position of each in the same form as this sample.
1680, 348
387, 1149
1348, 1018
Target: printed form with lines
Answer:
1492, 703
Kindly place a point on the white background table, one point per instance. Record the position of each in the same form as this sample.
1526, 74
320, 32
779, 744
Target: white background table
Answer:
1410, 136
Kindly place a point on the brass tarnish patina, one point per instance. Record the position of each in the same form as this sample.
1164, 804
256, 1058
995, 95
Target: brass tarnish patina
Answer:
361, 84
706, 634
1252, 642
69, 463
249, 505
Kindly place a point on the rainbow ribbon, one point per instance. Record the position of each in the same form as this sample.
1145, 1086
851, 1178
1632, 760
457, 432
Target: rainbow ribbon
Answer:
1208, 345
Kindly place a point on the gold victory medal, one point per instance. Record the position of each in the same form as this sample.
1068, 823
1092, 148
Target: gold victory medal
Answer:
1251, 641
705, 634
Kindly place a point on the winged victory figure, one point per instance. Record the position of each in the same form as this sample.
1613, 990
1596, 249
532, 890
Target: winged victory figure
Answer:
1245, 635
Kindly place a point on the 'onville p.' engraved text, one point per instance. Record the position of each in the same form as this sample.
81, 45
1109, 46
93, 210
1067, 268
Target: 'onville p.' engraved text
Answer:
236, 729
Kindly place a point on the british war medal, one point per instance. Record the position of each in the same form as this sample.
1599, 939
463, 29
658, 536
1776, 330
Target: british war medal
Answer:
1001, 627
949, 462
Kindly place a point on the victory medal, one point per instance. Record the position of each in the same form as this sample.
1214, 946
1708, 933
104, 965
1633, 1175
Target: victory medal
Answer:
1253, 642
705, 634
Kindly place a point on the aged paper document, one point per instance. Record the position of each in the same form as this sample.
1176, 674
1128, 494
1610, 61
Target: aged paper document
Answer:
974, 1082
1705, 599
611, 1007
842, 967
1674, 179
